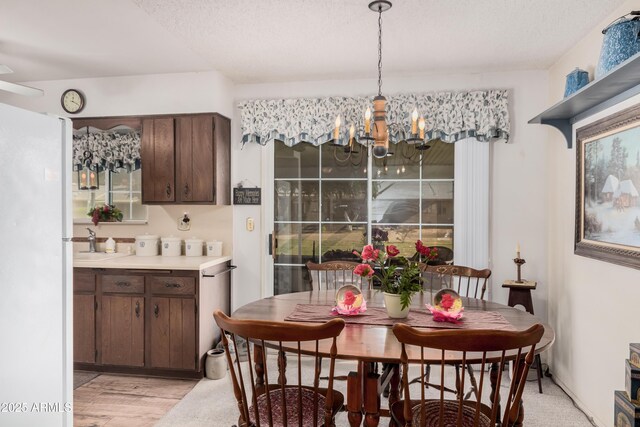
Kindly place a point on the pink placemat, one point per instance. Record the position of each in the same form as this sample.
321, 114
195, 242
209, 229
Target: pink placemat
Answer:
419, 318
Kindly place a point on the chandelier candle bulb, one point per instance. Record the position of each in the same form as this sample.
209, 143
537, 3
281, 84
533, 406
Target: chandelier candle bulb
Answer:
352, 132
336, 132
421, 125
367, 121
414, 122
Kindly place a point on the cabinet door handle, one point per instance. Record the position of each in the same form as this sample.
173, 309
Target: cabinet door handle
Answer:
123, 284
186, 189
137, 308
156, 310
168, 190
172, 285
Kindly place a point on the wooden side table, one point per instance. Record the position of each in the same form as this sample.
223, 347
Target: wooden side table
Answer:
520, 294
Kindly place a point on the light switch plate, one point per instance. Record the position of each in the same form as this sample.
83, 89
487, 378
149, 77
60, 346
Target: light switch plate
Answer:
250, 224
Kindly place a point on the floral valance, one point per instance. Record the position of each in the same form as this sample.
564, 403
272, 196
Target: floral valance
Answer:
107, 150
449, 116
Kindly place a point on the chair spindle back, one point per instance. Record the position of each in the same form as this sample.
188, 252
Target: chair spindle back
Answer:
466, 281
334, 274
484, 347
270, 392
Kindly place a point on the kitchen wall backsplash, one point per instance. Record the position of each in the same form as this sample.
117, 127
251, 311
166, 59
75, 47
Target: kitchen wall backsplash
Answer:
207, 223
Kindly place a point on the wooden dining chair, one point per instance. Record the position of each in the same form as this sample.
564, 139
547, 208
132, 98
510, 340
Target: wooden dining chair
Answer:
263, 401
467, 282
334, 274
484, 347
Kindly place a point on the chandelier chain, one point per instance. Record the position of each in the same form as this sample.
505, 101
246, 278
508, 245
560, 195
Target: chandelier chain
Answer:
380, 51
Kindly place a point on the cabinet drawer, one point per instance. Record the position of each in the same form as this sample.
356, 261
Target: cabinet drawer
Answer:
173, 285
84, 281
123, 284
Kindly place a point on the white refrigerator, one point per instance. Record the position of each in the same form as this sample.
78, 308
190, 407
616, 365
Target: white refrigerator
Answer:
36, 332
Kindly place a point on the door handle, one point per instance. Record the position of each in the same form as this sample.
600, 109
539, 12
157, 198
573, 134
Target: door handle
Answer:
172, 285
273, 245
123, 284
156, 310
168, 190
186, 189
137, 308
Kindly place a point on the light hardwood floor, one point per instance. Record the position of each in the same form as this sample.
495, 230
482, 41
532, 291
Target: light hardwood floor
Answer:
118, 400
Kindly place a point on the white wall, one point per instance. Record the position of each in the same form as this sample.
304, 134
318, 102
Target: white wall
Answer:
593, 305
140, 95
519, 176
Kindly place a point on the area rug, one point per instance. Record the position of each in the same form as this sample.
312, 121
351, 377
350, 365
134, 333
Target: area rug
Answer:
83, 377
211, 402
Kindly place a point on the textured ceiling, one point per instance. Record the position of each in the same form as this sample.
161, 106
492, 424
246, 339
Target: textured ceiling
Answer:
287, 40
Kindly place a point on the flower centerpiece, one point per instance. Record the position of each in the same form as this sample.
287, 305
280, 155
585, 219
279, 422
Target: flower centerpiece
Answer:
349, 301
399, 276
105, 213
447, 306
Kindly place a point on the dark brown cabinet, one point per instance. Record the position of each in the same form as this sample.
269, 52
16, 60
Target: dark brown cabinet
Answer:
173, 322
84, 316
157, 152
186, 159
122, 330
173, 333
84, 328
146, 321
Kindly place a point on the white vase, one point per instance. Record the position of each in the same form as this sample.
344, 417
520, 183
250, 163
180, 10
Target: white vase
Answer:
215, 365
394, 306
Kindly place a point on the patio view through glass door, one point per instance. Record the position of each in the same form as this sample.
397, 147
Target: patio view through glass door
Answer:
328, 203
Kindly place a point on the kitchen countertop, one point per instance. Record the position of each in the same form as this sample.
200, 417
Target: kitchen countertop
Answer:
151, 262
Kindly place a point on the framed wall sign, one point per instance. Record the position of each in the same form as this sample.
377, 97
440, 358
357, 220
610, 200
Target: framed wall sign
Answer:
607, 183
247, 196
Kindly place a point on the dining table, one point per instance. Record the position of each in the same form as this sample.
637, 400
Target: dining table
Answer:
372, 344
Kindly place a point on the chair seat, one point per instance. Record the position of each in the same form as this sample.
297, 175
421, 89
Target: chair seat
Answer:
291, 397
432, 414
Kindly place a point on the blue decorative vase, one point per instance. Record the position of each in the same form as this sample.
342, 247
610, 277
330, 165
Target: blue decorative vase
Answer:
621, 41
575, 80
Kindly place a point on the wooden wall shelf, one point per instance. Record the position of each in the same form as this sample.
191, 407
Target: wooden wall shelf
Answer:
619, 84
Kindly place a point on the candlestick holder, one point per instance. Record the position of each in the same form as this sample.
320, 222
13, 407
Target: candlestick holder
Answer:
519, 261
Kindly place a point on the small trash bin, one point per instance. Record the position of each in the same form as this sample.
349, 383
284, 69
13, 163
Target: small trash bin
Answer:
216, 364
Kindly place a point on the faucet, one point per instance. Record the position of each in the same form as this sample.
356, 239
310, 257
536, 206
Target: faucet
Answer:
92, 240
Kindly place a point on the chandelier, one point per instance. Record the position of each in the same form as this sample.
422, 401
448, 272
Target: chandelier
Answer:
378, 132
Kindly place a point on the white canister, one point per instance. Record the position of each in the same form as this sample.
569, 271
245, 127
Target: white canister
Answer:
193, 247
147, 245
171, 246
214, 248
215, 365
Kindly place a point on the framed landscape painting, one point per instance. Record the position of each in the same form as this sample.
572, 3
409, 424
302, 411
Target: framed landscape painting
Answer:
607, 197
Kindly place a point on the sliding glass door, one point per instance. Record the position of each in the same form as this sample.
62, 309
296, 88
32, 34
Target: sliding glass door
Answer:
329, 202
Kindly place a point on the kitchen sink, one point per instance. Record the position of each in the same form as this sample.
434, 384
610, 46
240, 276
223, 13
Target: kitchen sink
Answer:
96, 256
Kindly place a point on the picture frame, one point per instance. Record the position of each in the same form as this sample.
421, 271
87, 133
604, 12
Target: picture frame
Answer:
607, 214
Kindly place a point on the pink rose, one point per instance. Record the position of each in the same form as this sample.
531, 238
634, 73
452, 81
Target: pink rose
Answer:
363, 270
392, 251
370, 254
349, 298
446, 302
420, 248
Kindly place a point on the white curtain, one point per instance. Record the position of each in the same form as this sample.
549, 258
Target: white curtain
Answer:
471, 204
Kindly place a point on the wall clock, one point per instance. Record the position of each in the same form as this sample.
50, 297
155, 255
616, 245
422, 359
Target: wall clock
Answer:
72, 101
